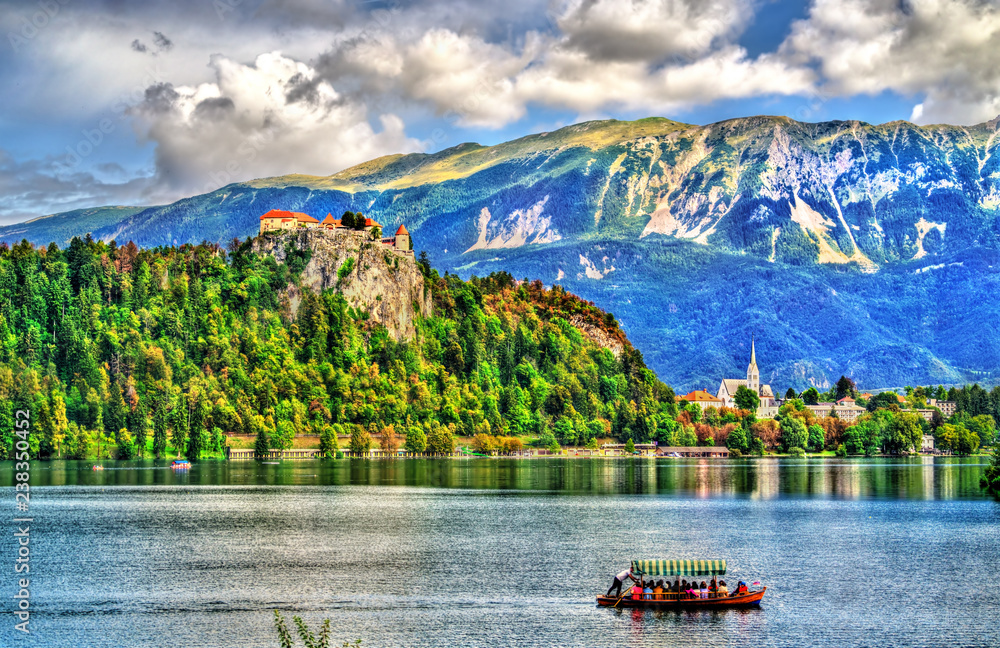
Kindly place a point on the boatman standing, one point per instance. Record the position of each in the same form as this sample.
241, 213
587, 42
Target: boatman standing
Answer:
619, 581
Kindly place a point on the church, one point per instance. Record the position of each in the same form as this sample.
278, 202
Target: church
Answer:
727, 390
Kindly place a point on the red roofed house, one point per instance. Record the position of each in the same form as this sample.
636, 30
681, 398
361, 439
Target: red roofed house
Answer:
330, 222
279, 219
703, 399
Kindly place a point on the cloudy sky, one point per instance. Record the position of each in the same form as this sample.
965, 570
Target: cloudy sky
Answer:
130, 102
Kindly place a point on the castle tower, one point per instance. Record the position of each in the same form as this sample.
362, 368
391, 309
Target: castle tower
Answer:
402, 239
753, 373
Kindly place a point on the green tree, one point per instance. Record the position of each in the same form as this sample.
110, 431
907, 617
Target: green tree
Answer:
738, 440
159, 429
416, 440
810, 397
904, 433
328, 442
746, 399
262, 444
630, 447
441, 441
361, 440
793, 433
990, 480
845, 387
816, 438
790, 394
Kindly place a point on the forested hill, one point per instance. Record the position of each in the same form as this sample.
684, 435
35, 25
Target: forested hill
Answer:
849, 248
165, 351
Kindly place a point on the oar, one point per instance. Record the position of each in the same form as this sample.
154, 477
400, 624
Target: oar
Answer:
627, 592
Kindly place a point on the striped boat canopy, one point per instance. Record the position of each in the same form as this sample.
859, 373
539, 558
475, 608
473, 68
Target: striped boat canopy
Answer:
679, 567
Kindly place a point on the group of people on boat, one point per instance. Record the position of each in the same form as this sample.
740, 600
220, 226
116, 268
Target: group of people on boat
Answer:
658, 590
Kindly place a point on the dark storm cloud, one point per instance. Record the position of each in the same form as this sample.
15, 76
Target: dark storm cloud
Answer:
159, 98
162, 42
138, 46
214, 109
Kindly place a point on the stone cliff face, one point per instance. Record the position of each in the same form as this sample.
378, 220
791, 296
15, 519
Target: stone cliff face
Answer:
371, 276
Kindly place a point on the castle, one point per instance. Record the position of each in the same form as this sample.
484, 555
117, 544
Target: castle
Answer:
727, 390
278, 220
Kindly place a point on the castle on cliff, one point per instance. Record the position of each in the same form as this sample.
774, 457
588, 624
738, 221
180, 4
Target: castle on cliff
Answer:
279, 220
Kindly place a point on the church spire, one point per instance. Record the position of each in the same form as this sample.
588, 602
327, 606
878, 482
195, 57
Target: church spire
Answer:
753, 373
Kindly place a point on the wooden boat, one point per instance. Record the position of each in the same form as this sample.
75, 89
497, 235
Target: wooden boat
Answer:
181, 464
673, 570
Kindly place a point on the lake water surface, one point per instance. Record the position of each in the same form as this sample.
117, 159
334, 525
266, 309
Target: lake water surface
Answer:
494, 552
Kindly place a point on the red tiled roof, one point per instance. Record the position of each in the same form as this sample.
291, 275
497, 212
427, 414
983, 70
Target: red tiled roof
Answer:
402, 231
370, 223
285, 215
846, 399
700, 395
328, 220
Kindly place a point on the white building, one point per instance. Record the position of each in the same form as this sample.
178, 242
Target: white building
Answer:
727, 390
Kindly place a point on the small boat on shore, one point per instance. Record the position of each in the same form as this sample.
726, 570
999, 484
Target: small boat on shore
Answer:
674, 597
181, 464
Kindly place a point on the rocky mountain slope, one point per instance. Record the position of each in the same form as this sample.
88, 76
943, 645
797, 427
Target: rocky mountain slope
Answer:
847, 247
373, 278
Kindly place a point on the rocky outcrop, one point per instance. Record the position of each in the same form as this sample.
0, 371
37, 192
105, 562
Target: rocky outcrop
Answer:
614, 342
372, 277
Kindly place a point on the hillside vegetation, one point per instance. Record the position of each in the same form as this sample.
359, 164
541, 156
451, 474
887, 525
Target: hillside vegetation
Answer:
127, 352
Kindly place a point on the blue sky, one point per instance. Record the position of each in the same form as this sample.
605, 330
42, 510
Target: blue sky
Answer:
115, 102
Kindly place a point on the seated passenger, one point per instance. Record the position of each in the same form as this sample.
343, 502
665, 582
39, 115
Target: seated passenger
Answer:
658, 591
637, 591
742, 588
704, 590
647, 592
723, 590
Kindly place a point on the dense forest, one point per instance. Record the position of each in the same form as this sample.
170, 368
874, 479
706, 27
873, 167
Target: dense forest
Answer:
125, 352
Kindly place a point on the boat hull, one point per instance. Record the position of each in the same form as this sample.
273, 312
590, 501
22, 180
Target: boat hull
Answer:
751, 599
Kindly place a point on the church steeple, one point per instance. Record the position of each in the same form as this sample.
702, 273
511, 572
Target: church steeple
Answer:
753, 373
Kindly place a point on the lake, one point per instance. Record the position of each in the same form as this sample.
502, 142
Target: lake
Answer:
496, 552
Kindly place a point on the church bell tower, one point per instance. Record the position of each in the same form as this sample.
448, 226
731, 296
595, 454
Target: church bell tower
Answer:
753, 374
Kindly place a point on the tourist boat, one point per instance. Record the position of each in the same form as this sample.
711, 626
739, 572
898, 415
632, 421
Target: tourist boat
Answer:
98, 467
673, 570
181, 464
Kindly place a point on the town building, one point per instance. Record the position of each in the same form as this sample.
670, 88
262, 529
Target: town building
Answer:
703, 399
845, 411
729, 386
927, 443
947, 407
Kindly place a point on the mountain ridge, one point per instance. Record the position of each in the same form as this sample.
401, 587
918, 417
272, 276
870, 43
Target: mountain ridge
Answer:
868, 217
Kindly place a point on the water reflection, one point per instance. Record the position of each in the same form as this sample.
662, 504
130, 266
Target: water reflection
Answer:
927, 478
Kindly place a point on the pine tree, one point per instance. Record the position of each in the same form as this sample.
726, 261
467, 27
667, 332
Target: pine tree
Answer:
159, 428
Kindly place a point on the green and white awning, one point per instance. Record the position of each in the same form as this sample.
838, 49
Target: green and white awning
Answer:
679, 567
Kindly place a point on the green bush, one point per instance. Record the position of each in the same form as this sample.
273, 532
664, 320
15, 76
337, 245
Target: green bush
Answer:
796, 452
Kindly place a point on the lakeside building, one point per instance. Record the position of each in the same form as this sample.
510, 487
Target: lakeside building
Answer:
845, 411
729, 386
727, 389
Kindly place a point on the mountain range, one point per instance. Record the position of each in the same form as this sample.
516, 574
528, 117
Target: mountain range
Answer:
844, 247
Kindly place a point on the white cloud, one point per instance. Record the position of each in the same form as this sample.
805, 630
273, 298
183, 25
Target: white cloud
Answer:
943, 52
648, 30
268, 118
